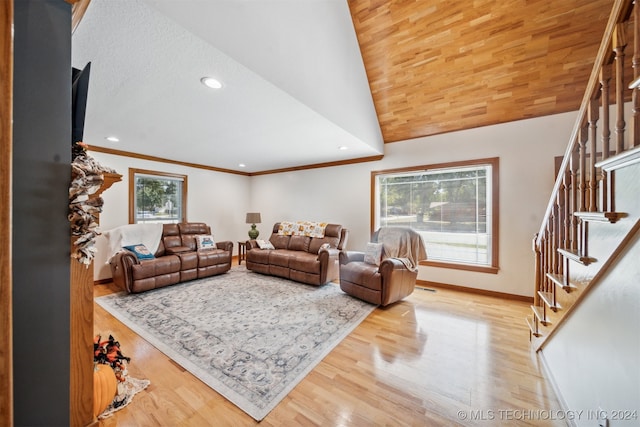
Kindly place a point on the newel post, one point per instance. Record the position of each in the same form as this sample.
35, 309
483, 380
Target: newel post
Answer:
81, 340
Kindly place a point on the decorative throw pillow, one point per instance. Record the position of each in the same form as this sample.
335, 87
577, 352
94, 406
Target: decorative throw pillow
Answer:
140, 250
205, 242
264, 244
373, 254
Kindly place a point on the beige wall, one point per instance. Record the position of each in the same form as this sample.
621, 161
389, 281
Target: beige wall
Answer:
341, 194
219, 199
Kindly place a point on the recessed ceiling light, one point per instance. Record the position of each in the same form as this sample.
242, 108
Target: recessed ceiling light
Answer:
242, 165
112, 138
343, 147
210, 82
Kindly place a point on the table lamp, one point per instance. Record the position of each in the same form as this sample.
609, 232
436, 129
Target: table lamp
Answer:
253, 218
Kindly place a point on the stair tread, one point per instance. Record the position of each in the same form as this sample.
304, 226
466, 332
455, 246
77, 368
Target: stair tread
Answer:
538, 312
600, 216
548, 298
575, 255
532, 327
559, 280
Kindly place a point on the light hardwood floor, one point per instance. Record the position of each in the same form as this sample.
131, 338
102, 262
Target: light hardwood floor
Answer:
436, 358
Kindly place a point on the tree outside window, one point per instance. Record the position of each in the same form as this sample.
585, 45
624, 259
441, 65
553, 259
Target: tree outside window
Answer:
453, 206
156, 197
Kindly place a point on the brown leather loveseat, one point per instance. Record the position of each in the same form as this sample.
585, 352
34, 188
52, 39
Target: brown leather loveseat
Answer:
311, 260
176, 260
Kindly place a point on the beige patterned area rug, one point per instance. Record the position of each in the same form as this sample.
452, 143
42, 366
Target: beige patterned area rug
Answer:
250, 337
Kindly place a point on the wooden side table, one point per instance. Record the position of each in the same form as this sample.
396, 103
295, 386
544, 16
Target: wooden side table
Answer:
242, 252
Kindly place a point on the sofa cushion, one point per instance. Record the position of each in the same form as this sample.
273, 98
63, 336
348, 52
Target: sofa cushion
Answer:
304, 261
299, 243
155, 267
189, 240
258, 256
280, 241
170, 230
178, 250
361, 274
194, 228
171, 242
213, 257
331, 236
280, 257
188, 260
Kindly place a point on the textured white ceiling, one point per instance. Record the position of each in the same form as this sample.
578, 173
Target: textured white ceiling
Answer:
294, 89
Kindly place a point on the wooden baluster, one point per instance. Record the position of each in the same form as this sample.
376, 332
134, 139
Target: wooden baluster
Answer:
537, 269
555, 227
582, 169
545, 252
605, 79
574, 189
636, 74
566, 206
553, 248
593, 115
549, 253
605, 84
619, 43
552, 239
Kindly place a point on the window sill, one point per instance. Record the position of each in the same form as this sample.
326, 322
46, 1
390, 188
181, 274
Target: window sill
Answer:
467, 267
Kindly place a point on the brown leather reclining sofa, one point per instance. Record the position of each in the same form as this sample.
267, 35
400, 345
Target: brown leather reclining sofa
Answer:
176, 260
300, 258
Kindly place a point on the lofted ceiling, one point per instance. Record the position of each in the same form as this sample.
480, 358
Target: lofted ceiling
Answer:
304, 78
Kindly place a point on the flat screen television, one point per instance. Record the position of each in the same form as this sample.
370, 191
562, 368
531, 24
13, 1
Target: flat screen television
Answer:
79, 90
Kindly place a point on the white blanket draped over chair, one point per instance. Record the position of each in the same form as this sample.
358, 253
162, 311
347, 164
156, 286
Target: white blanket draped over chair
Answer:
402, 243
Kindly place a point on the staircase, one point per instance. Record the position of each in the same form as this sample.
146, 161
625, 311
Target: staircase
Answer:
594, 209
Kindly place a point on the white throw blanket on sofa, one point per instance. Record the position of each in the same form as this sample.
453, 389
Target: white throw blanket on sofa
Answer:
133, 234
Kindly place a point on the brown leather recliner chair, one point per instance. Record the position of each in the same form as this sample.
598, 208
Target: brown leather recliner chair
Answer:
395, 276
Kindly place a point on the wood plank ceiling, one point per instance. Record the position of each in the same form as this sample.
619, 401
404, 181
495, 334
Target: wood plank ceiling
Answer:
443, 65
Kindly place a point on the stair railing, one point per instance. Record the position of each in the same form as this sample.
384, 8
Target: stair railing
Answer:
580, 185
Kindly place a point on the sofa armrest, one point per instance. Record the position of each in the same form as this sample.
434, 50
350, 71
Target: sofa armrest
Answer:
351, 256
328, 254
397, 280
121, 264
226, 245
389, 264
251, 244
329, 264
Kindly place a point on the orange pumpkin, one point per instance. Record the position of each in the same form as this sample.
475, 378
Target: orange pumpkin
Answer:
104, 387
